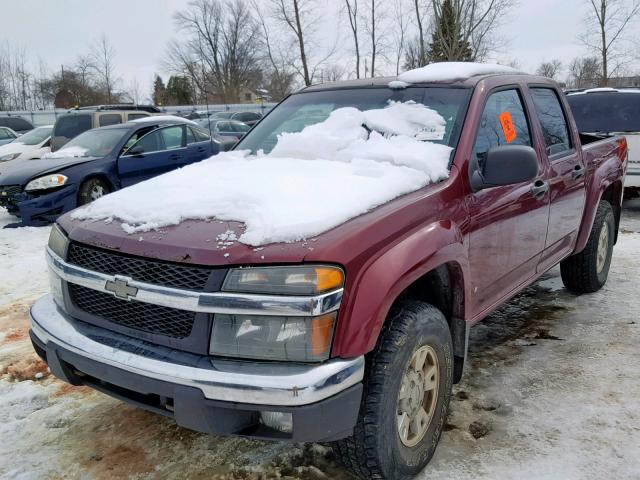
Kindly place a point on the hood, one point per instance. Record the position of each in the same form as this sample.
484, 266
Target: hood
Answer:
193, 241
15, 147
20, 173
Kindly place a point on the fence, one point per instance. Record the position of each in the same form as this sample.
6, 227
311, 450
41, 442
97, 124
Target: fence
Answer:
48, 117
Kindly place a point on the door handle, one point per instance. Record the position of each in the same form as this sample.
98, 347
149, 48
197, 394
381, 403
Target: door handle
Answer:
539, 188
577, 172
174, 157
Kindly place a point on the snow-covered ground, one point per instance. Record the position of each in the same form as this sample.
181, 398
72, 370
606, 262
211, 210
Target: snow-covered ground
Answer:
552, 392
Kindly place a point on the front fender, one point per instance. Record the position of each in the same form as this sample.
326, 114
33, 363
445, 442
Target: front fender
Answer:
383, 278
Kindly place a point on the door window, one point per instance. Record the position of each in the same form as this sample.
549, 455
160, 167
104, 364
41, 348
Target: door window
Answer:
503, 122
172, 137
200, 135
552, 120
110, 119
190, 137
133, 116
4, 134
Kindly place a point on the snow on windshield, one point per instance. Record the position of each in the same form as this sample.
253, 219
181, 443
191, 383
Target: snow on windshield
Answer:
447, 71
67, 152
312, 180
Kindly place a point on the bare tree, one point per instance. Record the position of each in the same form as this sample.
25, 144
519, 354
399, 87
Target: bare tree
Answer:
300, 18
584, 72
278, 77
351, 8
419, 51
549, 69
220, 53
103, 62
375, 28
611, 18
399, 32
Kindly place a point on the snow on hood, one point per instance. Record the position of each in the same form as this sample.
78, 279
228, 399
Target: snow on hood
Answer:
312, 181
449, 71
69, 152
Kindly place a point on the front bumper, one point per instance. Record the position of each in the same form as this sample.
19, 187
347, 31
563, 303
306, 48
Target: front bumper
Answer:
202, 393
39, 210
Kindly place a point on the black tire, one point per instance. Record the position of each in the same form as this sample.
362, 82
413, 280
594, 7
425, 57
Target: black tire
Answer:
90, 190
375, 450
580, 272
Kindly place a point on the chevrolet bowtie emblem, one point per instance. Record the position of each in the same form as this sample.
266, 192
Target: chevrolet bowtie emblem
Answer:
120, 288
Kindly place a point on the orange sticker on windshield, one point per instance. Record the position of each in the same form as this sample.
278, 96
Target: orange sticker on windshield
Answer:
507, 127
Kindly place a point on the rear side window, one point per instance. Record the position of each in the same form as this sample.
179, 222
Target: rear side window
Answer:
552, 120
110, 119
607, 112
133, 116
71, 126
16, 123
503, 122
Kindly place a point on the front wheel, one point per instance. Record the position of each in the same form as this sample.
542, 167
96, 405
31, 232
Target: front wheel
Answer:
92, 189
587, 271
406, 396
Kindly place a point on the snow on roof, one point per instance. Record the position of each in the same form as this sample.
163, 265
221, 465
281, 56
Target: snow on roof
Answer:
163, 118
449, 71
312, 180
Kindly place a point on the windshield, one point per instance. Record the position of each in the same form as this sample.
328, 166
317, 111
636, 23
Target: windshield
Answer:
35, 136
304, 109
93, 143
606, 111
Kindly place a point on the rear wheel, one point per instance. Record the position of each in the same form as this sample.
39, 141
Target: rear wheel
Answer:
587, 271
406, 396
91, 190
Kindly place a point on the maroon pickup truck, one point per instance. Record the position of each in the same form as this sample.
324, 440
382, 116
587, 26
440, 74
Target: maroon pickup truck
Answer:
356, 336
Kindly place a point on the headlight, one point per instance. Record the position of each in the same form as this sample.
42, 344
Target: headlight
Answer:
10, 156
58, 241
46, 182
298, 339
294, 280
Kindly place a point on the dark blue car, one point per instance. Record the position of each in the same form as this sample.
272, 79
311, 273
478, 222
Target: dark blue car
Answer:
100, 161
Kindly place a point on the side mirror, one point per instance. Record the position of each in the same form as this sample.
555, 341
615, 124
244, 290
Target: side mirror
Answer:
135, 151
504, 165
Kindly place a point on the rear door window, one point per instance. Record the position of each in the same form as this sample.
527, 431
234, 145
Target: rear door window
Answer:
109, 119
5, 134
503, 122
552, 120
173, 137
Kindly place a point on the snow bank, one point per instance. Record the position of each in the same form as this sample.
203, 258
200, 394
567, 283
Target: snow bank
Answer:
448, 71
312, 180
72, 151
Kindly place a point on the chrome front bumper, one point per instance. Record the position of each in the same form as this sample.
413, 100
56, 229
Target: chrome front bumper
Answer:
260, 383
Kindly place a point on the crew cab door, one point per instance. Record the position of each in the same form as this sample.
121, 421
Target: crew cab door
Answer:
566, 176
508, 224
159, 151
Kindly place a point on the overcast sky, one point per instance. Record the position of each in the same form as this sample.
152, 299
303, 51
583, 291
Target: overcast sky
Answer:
139, 30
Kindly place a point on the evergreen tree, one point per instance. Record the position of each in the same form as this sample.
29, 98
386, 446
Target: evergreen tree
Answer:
447, 42
179, 91
159, 91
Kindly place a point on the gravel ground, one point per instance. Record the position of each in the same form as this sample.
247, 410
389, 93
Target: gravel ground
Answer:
552, 391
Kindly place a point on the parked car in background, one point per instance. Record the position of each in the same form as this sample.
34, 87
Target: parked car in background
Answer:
250, 118
356, 335
226, 128
612, 111
72, 124
7, 135
100, 161
31, 145
17, 124
199, 114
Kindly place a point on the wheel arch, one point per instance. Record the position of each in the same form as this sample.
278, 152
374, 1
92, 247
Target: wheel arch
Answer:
430, 265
